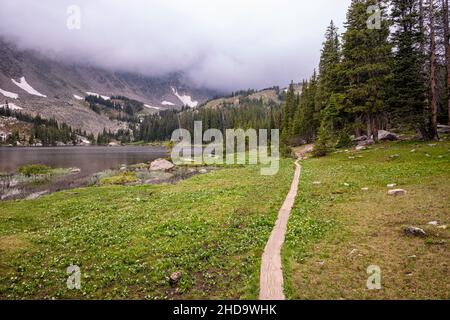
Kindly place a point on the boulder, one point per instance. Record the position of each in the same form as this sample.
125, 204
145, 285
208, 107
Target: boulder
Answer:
414, 231
161, 165
384, 135
397, 192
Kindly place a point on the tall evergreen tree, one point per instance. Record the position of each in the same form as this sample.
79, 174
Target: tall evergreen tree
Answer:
328, 82
366, 53
407, 98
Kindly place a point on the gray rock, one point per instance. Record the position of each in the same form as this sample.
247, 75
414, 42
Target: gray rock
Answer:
36, 195
414, 231
161, 165
443, 129
384, 135
397, 192
203, 171
360, 138
365, 143
175, 278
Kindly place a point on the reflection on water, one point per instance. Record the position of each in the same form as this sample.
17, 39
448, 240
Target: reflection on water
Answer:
89, 159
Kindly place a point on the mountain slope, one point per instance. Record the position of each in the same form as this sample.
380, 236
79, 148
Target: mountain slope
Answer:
52, 88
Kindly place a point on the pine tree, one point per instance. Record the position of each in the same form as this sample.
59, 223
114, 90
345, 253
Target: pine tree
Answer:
328, 82
407, 98
366, 53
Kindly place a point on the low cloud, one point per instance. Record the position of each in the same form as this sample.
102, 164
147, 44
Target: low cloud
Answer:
221, 44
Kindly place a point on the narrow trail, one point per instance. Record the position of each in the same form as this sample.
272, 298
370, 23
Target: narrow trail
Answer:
271, 276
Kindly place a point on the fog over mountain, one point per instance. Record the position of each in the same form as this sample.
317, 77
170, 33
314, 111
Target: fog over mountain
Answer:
219, 44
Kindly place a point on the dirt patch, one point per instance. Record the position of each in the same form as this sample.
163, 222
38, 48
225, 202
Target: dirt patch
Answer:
12, 243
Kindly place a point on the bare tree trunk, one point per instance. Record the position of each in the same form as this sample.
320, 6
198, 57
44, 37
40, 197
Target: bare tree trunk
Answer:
375, 127
433, 74
358, 126
369, 125
447, 51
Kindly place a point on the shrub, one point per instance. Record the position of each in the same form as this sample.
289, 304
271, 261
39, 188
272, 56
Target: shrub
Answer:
121, 179
34, 169
344, 141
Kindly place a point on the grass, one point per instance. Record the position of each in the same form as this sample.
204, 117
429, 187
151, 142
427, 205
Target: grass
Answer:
337, 230
213, 228
122, 178
128, 240
34, 169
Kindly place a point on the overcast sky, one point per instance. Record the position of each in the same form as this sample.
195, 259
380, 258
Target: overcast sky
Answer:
222, 44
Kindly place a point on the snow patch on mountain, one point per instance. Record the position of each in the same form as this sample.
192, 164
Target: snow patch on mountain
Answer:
151, 107
78, 97
11, 106
9, 94
167, 103
185, 99
98, 95
23, 84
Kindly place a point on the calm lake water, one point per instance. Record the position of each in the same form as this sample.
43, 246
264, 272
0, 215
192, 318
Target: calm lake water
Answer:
89, 159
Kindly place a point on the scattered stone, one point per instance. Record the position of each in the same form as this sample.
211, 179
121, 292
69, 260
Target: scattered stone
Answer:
203, 171
321, 263
433, 223
413, 256
175, 278
384, 135
75, 170
316, 183
161, 165
397, 192
428, 155
365, 189
443, 227
391, 185
353, 252
440, 157
394, 156
413, 150
351, 157
346, 184
414, 231
432, 145
359, 148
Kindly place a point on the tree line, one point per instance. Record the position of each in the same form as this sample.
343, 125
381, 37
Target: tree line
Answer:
389, 69
249, 113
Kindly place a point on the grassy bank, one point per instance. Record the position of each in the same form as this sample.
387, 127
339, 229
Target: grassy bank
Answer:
337, 230
128, 240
